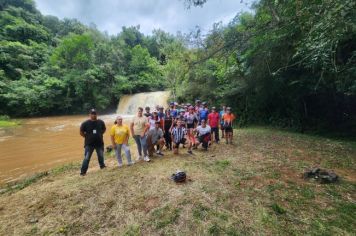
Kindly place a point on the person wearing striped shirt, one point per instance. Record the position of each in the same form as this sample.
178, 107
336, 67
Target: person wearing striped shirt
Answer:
178, 136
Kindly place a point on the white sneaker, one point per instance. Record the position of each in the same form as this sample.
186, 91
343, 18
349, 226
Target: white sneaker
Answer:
131, 163
146, 159
120, 165
139, 158
158, 152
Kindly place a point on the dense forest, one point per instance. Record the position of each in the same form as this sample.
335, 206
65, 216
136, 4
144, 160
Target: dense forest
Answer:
288, 63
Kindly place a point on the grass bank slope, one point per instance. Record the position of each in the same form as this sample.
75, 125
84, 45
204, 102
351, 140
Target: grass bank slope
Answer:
253, 187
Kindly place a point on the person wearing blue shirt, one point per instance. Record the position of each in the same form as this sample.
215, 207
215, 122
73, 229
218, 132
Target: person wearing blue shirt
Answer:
203, 113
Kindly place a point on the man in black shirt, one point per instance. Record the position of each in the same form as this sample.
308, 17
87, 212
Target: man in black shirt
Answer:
92, 130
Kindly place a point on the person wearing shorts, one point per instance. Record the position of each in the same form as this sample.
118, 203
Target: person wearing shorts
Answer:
221, 114
228, 123
213, 121
155, 137
178, 136
204, 134
191, 121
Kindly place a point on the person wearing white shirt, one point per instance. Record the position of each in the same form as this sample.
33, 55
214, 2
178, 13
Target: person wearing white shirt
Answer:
204, 136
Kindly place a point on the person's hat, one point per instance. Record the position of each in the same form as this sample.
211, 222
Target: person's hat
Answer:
155, 111
213, 108
196, 101
203, 103
147, 108
191, 108
171, 103
161, 107
92, 111
228, 108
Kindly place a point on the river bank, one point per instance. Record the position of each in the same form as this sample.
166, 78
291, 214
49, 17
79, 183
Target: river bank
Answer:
251, 187
5, 122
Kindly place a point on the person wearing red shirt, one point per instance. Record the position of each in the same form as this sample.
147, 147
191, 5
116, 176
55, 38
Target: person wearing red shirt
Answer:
213, 121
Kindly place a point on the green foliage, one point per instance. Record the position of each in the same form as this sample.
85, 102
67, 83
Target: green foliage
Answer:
290, 64
52, 66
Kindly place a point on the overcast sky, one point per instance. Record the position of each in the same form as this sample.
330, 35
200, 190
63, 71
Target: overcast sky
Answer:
170, 15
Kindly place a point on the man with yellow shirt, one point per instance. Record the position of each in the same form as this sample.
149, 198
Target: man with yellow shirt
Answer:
119, 138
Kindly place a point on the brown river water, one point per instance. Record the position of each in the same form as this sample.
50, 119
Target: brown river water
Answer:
40, 144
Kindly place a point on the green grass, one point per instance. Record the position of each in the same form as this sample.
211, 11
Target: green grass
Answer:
5, 121
8, 123
251, 188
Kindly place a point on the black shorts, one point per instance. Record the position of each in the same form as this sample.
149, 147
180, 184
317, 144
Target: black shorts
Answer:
182, 141
222, 127
190, 126
228, 129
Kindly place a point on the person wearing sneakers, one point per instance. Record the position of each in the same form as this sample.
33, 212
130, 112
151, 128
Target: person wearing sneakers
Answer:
168, 124
139, 127
155, 137
178, 136
213, 121
92, 131
228, 122
204, 135
191, 121
120, 134
221, 114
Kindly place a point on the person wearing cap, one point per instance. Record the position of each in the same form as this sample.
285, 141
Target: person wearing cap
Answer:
139, 127
197, 106
191, 121
204, 134
173, 110
92, 131
203, 113
119, 134
155, 137
153, 119
147, 112
228, 123
161, 116
221, 114
213, 121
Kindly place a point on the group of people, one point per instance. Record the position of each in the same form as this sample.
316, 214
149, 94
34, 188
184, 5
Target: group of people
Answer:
177, 126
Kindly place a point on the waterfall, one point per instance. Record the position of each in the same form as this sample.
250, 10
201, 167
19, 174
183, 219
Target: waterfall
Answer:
129, 103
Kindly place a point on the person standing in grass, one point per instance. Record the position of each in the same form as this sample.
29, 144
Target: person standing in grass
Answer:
213, 121
120, 134
192, 120
168, 124
139, 127
221, 114
228, 123
92, 131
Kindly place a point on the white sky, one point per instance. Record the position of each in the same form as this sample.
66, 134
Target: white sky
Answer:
169, 15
